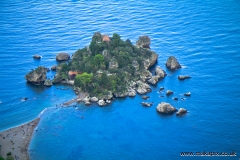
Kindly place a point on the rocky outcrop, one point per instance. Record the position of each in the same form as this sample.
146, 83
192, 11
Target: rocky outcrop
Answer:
143, 88
160, 73
172, 63
161, 88
62, 57
132, 93
147, 104
144, 42
37, 56
165, 108
135, 64
181, 111
153, 80
108, 95
169, 92
148, 62
113, 63
48, 83
54, 68
181, 77
37, 76
121, 94
101, 102
94, 99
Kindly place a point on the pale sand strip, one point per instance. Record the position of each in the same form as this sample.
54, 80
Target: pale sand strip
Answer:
16, 140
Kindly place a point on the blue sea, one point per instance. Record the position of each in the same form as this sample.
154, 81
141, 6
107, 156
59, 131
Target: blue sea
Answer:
204, 35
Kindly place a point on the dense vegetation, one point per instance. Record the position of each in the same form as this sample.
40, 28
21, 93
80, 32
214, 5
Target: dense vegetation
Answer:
105, 65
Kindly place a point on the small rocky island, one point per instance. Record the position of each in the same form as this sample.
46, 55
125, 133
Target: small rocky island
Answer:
109, 67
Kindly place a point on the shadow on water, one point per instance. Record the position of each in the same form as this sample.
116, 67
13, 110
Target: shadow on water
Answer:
36, 88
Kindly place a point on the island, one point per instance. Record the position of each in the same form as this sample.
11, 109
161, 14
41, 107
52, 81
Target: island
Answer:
106, 69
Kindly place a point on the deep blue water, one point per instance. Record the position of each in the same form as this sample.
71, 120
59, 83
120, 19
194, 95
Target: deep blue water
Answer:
203, 35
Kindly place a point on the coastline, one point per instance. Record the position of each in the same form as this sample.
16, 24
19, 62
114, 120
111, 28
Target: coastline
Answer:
16, 140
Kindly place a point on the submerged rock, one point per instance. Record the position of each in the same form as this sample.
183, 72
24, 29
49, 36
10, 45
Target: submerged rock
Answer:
37, 56
161, 88
183, 77
169, 92
172, 63
145, 97
62, 57
165, 108
181, 111
187, 94
147, 104
175, 98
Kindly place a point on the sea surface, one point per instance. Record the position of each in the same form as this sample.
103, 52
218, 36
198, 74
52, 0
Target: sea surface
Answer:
204, 35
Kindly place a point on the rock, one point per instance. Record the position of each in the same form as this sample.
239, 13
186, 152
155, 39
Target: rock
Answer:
79, 100
153, 80
121, 94
101, 103
145, 97
172, 63
24, 99
37, 76
169, 92
87, 103
48, 83
135, 64
187, 94
94, 99
161, 88
142, 88
37, 56
62, 57
54, 68
160, 73
181, 111
113, 63
144, 42
132, 93
108, 101
183, 77
175, 98
165, 108
146, 104
86, 99
150, 61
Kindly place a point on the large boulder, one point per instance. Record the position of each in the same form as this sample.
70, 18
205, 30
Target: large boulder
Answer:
165, 108
94, 99
153, 80
37, 76
181, 111
142, 88
54, 68
172, 63
48, 83
101, 102
181, 77
150, 61
160, 73
144, 42
131, 93
62, 57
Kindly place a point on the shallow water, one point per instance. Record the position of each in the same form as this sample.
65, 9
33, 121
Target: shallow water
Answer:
203, 35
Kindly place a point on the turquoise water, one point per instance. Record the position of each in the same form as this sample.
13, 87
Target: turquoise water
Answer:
203, 35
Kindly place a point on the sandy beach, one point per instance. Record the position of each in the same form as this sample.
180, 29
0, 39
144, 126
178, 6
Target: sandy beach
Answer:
16, 140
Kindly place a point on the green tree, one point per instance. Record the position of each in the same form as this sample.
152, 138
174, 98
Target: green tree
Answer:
1, 158
98, 59
116, 40
81, 80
